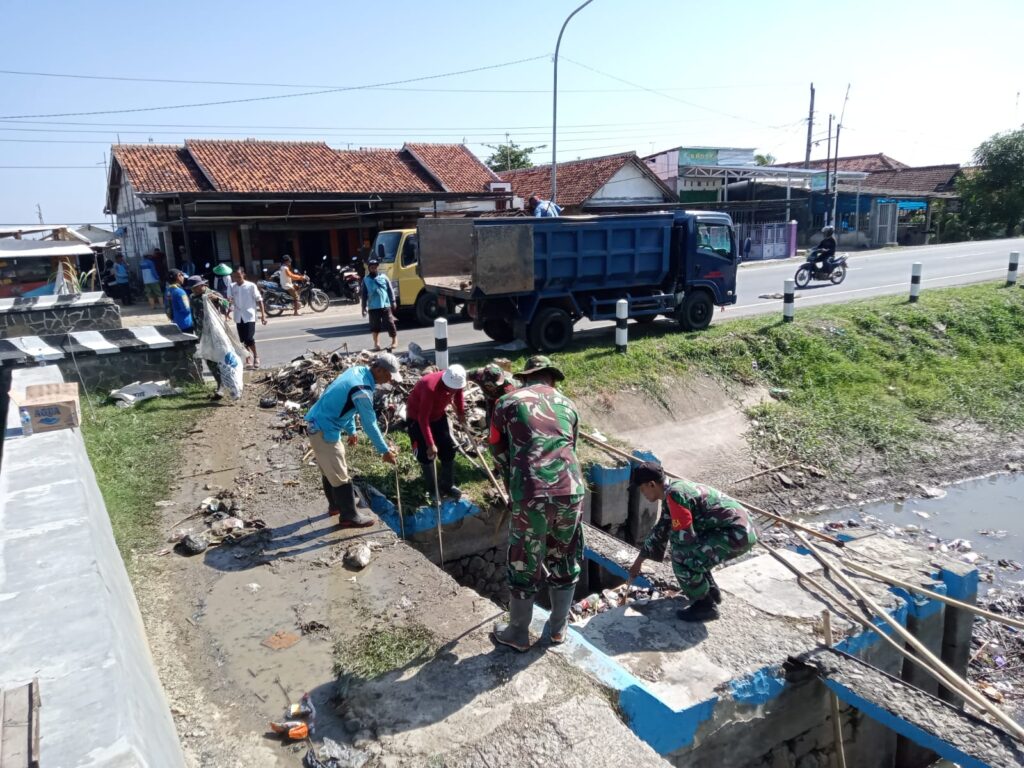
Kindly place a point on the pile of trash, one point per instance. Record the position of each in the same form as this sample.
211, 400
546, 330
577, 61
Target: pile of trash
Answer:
221, 524
608, 599
996, 664
331, 754
299, 722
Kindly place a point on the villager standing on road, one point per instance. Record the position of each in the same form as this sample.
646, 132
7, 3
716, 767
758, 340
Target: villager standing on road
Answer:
378, 298
494, 382
288, 279
245, 298
429, 430
176, 300
150, 280
334, 415
122, 280
704, 527
200, 295
533, 434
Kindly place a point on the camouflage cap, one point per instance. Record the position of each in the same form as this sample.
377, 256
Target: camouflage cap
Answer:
539, 363
490, 375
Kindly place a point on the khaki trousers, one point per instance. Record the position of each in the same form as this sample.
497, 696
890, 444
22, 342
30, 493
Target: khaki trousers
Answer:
330, 457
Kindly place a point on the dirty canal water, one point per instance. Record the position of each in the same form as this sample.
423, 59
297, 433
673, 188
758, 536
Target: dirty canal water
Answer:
977, 521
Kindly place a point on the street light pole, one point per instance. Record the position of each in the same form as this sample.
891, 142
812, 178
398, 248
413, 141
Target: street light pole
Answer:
554, 107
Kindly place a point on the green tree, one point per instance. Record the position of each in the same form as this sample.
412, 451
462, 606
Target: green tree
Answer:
764, 159
993, 191
509, 156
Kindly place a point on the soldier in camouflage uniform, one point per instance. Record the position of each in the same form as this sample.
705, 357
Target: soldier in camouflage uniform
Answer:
533, 435
495, 382
704, 526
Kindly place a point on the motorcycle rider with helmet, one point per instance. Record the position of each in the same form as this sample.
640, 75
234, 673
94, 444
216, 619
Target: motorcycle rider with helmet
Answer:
825, 250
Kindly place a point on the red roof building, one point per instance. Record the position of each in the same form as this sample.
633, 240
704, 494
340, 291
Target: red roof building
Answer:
252, 201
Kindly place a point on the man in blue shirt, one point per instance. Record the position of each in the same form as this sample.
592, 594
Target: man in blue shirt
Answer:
334, 415
378, 297
121, 280
150, 280
543, 208
176, 299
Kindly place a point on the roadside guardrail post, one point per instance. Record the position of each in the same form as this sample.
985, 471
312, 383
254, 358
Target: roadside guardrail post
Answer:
441, 343
1011, 273
621, 331
788, 300
915, 281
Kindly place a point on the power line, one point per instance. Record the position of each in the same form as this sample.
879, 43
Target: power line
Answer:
50, 167
282, 95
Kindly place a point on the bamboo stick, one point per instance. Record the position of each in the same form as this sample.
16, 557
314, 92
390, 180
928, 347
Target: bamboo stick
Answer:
934, 665
911, 587
837, 724
778, 518
763, 472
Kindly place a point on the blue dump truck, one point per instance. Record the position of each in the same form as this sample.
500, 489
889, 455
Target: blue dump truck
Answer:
533, 279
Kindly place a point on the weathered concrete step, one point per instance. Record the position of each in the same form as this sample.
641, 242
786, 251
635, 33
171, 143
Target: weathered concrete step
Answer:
615, 555
924, 719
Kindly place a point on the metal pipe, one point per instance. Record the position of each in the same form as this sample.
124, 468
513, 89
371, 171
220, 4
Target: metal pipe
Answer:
554, 106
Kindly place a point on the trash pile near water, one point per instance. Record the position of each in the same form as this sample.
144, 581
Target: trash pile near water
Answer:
609, 599
996, 664
299, 722
221, 524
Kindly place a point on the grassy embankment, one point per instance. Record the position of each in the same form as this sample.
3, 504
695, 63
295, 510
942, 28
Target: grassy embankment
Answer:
135, 453
878, 376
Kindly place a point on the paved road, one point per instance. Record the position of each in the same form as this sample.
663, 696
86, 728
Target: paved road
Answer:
872, 273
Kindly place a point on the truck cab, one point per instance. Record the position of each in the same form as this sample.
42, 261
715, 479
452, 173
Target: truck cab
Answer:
396, 251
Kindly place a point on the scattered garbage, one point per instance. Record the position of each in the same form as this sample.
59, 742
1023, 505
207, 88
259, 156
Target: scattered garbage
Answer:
300, 722
921, 514
190, 545
296, 730
253, 587
608, 599
280, 640
930, 492
331, 754
138, 391
358, 557
778, 393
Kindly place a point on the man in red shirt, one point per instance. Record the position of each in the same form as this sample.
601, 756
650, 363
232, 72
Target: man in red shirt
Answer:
429, 429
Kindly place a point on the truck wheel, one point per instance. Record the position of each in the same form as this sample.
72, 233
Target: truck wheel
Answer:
551, 330
499, 329
426, 309
696, 311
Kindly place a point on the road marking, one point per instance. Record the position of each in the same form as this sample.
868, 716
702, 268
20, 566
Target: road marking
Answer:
966, 255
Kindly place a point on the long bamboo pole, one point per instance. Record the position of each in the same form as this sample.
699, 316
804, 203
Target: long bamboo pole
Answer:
837, 723
935, 665
611, 449
911, 587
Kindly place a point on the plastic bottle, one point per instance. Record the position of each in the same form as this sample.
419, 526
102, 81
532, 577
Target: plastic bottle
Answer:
26, 423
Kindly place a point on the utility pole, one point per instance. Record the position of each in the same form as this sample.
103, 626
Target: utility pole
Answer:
828, 167
554, 105
39, 213
835, 177
810, 128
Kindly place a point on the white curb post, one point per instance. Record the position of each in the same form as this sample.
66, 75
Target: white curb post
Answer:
1011, 274
788, 300
915, 282
441, 343
621, 331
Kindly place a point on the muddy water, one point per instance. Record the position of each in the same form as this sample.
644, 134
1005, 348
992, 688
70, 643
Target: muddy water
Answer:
989, 513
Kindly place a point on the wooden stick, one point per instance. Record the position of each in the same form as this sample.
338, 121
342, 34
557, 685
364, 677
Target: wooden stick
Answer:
763, 472
837, 724
934, 665
778, 518
911, 587
398, 503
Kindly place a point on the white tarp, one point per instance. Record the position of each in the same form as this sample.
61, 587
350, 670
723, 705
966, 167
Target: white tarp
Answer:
23, 249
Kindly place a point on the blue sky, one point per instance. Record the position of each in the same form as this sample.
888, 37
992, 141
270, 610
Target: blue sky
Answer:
929, 81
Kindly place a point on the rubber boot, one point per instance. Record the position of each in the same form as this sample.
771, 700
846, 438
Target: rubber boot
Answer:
700, 610
332, 506
516, 634
446, 480
430, 479
715, 593
558, 621
350, 516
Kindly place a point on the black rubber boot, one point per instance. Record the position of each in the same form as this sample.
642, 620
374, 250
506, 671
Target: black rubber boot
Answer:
430, 479
350, 516
332, 505
446, 480
715, 593
516, 634
558, 621
700, 610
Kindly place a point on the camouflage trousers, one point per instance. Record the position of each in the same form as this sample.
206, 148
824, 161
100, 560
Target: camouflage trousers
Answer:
545, 532
692, 564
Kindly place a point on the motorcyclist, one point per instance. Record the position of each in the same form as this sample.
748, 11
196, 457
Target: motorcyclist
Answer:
825, 251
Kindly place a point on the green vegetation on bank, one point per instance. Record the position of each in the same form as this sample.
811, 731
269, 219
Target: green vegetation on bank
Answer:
880, 376
382, 650
135, 453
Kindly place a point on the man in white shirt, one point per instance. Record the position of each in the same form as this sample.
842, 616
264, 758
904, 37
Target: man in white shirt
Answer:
245, 298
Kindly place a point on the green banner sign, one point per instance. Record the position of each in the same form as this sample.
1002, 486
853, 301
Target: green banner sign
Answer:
696, 156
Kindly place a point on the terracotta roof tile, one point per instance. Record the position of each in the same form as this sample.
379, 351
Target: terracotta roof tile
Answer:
863, 163
454, 166
158, 168
268, 166
928, 178
578, 180
382, 170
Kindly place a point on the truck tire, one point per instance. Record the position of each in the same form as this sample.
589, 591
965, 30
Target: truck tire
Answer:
696, 311
426, 309
499, 329
551, 330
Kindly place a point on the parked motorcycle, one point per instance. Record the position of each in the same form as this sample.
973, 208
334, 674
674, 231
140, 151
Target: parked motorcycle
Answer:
342, 281
276, 299
809, 270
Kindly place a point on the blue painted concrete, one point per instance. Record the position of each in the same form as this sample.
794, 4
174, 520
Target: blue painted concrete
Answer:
758, 688
919, 606
902, 727
614, 568
857, 644
960, 586
424, 518
608, 475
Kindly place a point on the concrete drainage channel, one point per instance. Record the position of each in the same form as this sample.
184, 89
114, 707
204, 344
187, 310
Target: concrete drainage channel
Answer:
753, 688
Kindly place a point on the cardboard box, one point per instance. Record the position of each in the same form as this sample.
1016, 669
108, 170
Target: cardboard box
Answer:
48, 407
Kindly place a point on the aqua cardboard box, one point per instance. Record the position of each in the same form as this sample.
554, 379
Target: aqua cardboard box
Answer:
49, 407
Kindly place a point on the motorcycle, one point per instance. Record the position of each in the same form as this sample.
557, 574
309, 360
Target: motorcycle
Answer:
342, 281
276, 299
809, 270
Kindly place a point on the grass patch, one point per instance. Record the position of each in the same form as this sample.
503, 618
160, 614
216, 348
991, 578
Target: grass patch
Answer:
875, 376
381, 651
135, 453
